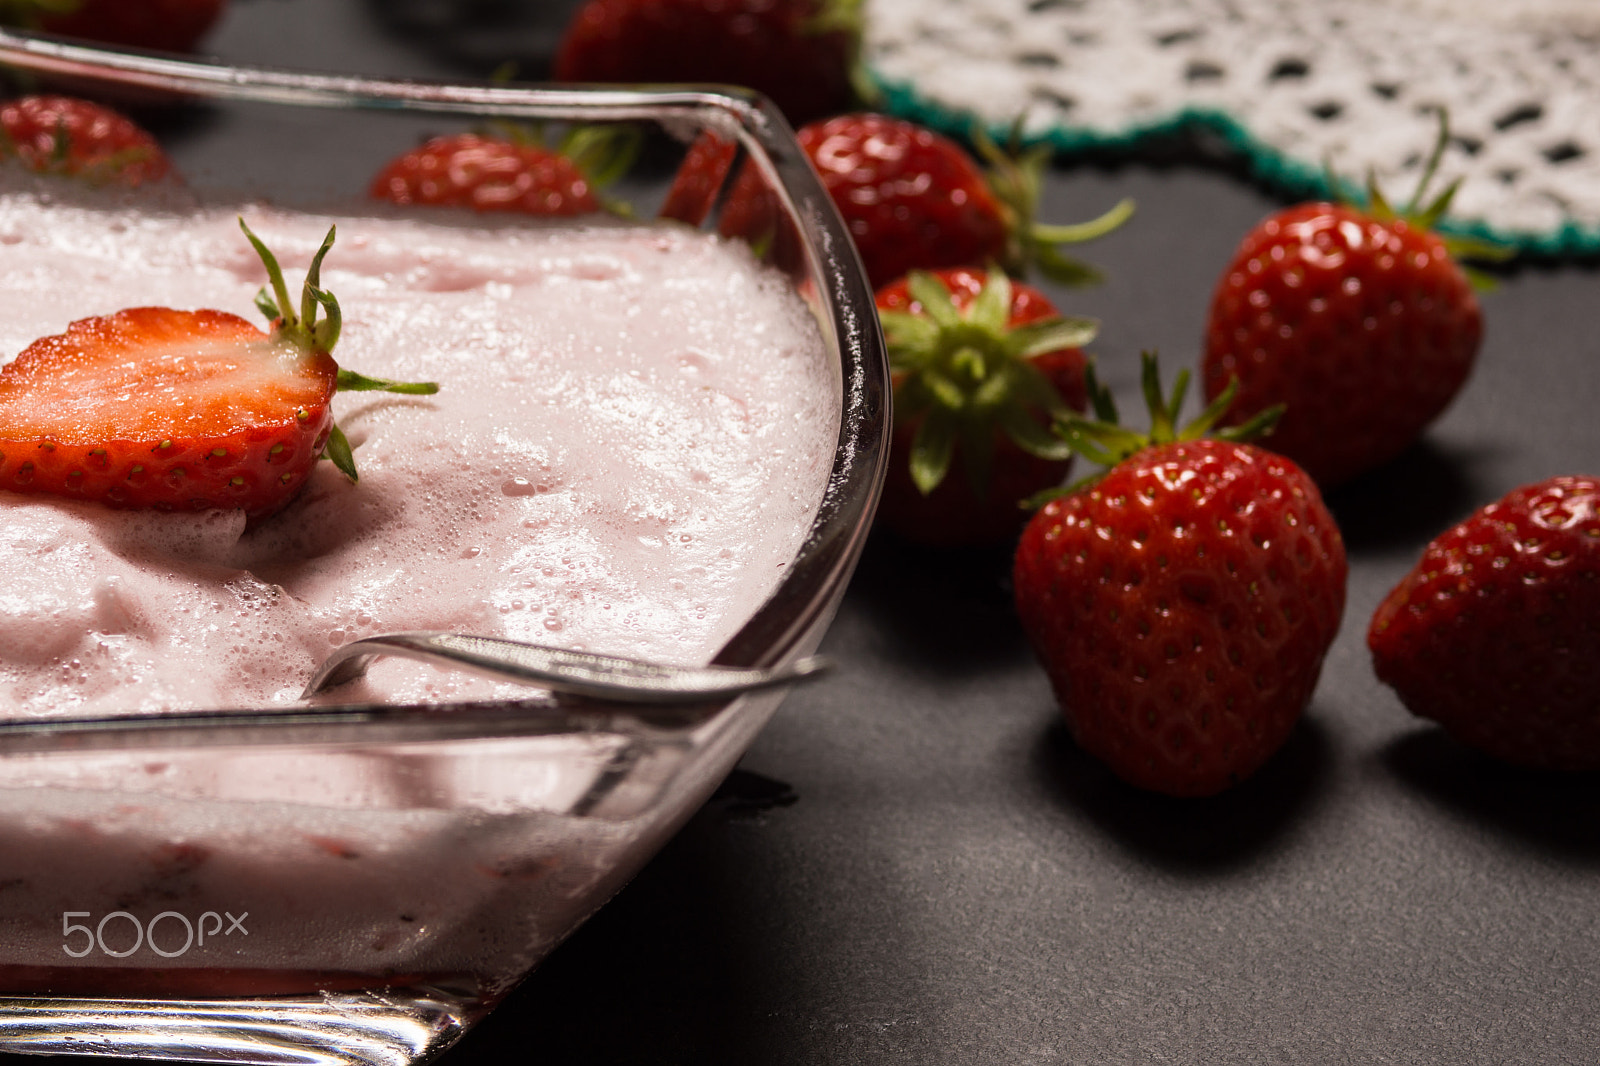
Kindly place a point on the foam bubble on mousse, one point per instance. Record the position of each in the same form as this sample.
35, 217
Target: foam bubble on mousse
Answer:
633, 430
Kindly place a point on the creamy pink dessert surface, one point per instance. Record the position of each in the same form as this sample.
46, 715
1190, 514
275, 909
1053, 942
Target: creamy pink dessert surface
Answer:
633, 430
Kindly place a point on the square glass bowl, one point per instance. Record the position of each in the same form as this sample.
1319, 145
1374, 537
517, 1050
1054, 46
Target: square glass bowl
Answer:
460, 843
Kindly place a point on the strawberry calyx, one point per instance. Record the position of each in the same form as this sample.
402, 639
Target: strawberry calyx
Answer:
1423, 214
967, 373
302, 329
1016, 178
1105, 441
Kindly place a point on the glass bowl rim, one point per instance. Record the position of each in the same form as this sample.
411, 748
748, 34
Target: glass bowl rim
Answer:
810, 588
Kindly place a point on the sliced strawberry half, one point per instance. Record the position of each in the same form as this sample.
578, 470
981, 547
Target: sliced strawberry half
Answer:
182, 410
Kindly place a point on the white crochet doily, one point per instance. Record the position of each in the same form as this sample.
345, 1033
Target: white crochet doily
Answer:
1296, 83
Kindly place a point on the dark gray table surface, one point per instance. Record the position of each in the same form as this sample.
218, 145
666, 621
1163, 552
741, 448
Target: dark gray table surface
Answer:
915, 865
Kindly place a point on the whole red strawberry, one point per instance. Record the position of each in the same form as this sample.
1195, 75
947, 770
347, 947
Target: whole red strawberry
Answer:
1495, 634
915, 200
980, 366
66, 135
182, 410
1182, 604
800, 53
169, 25
512, 172
1360, 322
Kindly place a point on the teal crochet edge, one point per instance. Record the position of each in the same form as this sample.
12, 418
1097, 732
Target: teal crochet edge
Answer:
1275, 169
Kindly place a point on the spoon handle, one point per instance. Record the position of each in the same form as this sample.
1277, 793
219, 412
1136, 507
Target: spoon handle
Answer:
609, 677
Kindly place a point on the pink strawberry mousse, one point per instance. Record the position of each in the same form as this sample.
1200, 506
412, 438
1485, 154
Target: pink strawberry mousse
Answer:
634, 427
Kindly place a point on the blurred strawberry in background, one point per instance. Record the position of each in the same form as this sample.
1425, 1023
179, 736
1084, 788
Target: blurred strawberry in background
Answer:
166, 25
800, 53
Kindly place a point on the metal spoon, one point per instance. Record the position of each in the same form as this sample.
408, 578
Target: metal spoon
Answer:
608, 677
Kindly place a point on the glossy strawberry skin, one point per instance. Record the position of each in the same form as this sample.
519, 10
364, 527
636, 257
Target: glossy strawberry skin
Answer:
1495, 634
486, 174
1364, 329
102, 145
126, 410
766, 45
1182, 608
952, 515
168, 25
912, 198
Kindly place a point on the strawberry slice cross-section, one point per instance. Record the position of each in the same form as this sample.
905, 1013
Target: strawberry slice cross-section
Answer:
182, 410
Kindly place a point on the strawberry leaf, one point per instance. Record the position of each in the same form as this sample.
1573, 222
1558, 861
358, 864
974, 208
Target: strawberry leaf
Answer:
1106, 443
325, 334
935, 299
266, 305
280, 291
1051, 335
1429, 219
301, 329
1030, 385
1259, 425
911, 338
1098, 442
1026, 432
309, 298
1016, 177
338, 452
993, 390
945, 392
969, 371
604, 153
991, 308
1424, 214
1417, 208
1101, 401
1078, 232
931, 450
1377, 205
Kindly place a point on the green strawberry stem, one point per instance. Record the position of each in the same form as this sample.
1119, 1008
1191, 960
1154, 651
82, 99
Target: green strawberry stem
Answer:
350, 381
1016, 178
305, 332
966, 374
1102, 440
